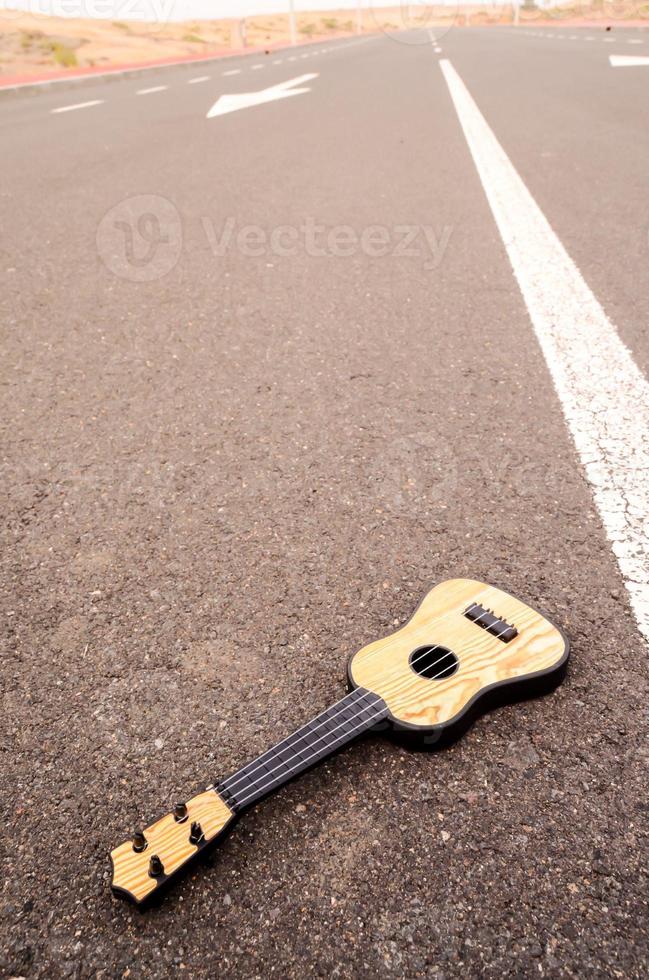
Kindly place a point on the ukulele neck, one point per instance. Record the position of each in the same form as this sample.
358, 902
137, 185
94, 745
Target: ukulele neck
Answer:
355, 714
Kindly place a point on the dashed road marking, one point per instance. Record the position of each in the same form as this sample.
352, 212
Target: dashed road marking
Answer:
628, 60
193, 81
603, 393
78, 105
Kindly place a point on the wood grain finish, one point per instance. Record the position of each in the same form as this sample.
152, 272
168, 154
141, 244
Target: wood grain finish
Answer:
169, 839
383, 666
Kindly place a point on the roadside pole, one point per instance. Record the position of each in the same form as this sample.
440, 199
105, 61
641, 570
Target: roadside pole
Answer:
516, 12
359, 17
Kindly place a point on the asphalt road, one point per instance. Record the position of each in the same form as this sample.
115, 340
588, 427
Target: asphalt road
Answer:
231, 458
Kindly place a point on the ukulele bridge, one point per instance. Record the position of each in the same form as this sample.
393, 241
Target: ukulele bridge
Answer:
487, 620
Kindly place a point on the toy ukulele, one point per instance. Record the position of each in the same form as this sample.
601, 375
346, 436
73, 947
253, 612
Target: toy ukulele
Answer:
467, 647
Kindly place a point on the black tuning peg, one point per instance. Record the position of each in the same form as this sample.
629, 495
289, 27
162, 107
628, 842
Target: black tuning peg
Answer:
196, 835
180, 812
139, 841
156, 867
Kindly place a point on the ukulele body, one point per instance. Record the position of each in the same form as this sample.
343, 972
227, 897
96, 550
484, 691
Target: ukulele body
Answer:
434, 697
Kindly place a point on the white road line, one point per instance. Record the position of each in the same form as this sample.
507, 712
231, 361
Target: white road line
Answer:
277, 61
150, 91
628, 60
233, 71
201, 78
437, 50
256, 67
603, 393
635, 40
78, 105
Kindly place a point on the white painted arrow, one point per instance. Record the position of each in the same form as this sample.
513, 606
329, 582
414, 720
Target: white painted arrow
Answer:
243, 100
627, 60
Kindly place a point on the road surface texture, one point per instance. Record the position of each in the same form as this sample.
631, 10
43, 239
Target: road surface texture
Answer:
268, 377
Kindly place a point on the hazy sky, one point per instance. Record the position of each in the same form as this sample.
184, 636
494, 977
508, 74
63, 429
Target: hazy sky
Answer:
190, 9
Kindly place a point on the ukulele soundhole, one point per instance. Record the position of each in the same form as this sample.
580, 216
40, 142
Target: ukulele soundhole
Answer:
433, 662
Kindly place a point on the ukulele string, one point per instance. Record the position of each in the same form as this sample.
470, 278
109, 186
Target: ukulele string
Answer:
342, 702
264, 786
233, 780
423, 628
389, 688
260, 785
244, 775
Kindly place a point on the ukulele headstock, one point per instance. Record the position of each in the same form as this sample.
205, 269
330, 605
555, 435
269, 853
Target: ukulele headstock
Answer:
144, 864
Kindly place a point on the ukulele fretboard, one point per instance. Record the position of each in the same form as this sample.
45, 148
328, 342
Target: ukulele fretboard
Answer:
325, 734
